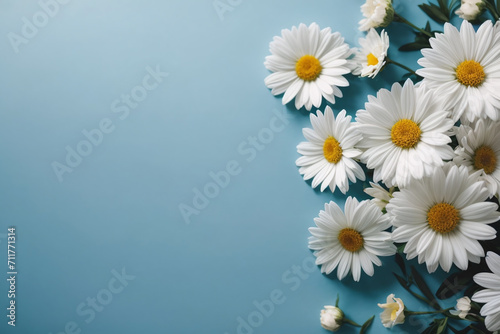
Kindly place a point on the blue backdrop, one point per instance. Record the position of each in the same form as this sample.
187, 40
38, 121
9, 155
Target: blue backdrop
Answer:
150, 174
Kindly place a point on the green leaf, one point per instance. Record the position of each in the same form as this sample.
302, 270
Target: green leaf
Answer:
442, 326
419, 281
366, 325
453, 284
415, 46
401, 263
434, 12
402, 281
498, 6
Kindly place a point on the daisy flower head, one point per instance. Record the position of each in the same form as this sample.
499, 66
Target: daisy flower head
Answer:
404, 134
490, 296
380, 195
377, 13
350, 241
308, 64
470, 10
442, 218
479, 150
370, 59
462, 67
328, 155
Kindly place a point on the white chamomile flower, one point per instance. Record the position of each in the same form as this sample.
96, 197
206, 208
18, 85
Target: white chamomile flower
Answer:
442, 218
329, 153
350, 241
462, 308
491, 294
462, 67
370, 59
377, 13
470, 9
404, 133
380, 195
308, 65
479, 150
394, 312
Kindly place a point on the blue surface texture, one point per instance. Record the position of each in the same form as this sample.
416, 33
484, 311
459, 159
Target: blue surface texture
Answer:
115, 115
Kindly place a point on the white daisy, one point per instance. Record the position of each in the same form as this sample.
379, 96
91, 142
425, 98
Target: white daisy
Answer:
479, 149
462, 67
329, 153
308, 65
377, 13
470, 10
380, 195
442, 218
404, 134
350, 241
491, 294
370, 59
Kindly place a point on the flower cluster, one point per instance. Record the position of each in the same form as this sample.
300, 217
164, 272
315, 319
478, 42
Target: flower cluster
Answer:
431, 145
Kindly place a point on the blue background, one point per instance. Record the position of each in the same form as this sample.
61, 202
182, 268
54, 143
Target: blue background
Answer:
119, 208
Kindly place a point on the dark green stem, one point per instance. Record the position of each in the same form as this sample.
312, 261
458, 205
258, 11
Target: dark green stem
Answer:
350, 322
429, 312
399, 18
390, 61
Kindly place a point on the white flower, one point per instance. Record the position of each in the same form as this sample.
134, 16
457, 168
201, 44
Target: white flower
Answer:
404, 134
308, 65
470, 9
491, 294
462, 67
377, 13
393, 313
442, 218
351, 241
370, 59
380, 196
329, 153
479, 150
462, 307
331, 318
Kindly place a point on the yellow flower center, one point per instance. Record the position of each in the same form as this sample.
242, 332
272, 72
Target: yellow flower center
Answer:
405, 133
394, 313
470, 73
332, 150
308, 68
443, 217
371, 59
351, 239
485, 159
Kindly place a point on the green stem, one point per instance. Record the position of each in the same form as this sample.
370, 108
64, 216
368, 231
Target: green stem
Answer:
429, 312
399, 18
350, 322
390, 61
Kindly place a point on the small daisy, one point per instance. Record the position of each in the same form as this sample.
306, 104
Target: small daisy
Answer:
491, 294
308, 65
462, 67
350, 241
377, 13
479, 150
329, 153
404, 134
442, 218
371, 58
470, 10
380, 195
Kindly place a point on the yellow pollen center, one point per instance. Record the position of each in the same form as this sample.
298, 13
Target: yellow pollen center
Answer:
371, 59
443, 217
470, 73
308, 68
405, 133
485, 159
351, 239
332, 150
